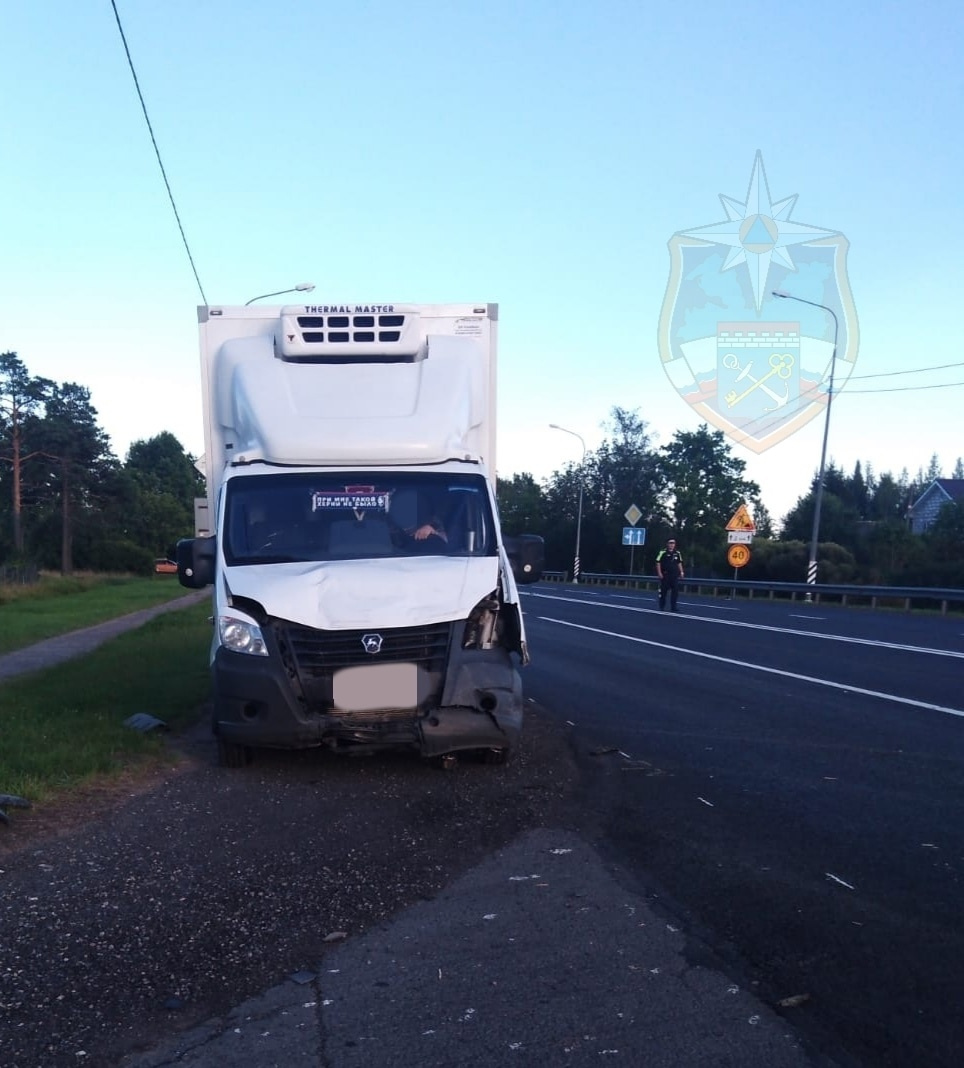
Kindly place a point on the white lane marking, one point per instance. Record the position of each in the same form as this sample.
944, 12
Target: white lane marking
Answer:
776, 630
699, 604
760, 667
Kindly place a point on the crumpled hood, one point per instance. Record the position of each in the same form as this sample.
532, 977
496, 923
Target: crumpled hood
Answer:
358, 594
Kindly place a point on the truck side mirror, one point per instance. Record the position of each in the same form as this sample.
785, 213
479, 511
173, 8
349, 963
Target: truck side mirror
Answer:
195, 562
527, 556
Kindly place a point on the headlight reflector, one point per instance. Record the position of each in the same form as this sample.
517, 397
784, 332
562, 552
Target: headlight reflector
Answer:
241, 636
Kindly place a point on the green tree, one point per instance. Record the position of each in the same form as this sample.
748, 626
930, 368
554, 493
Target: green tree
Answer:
933, 472
763, 520
945, 547
625, 468
160, 482
889, 499
160, 465
838, 527
21, 400
859, 492
705, 485
520, 504
76, 464
623, 471
561, 516
888, 552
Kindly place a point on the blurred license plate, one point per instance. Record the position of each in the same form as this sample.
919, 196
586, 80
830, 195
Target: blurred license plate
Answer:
371, 686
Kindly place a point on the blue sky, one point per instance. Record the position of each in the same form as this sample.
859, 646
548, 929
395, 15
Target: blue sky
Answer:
536, 155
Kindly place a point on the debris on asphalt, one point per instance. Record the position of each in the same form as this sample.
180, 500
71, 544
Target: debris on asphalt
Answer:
793, 1001
11, 801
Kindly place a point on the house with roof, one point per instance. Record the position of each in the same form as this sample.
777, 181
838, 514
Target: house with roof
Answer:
925, 509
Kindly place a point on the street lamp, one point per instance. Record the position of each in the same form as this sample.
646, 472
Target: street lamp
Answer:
575, 565
818, 500
301, 287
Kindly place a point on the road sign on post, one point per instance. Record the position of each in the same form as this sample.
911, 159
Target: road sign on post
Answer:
634, 535
742, 520
738, 555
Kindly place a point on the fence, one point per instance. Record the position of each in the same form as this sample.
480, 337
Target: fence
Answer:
906, 597
19, 574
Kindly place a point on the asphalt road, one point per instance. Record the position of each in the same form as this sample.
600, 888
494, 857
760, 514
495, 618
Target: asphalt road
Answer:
790, 780
732, 836
325, 911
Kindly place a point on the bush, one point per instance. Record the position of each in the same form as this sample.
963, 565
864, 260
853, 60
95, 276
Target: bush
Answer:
121, 556
776, 561
788, 561
835, 564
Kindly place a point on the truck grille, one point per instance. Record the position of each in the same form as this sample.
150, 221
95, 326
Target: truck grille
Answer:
313, 656
321, 652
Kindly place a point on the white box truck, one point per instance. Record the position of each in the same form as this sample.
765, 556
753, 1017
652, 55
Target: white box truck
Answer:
364, 597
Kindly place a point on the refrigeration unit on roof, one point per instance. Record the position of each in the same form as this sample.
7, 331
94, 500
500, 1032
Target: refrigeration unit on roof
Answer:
345, 334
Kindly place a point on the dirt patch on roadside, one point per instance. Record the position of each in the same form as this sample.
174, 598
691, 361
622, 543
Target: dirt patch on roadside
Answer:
77, 806
191, 885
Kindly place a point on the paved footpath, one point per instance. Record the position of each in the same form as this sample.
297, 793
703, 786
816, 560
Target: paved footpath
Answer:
540, 956
78, 642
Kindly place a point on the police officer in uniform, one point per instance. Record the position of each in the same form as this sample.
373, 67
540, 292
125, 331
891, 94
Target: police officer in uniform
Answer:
669, 568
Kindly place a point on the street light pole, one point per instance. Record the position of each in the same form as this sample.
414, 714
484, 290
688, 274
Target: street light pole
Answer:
575, 565
301, 287
818, 499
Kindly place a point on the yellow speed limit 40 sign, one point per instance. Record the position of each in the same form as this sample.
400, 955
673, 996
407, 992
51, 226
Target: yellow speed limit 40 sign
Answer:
738, 555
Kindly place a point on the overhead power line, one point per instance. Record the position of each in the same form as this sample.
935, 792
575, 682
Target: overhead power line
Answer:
157, 151
904, 389
762, 424
909, 371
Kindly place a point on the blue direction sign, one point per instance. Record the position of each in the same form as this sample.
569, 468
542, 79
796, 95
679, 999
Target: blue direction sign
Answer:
634, 535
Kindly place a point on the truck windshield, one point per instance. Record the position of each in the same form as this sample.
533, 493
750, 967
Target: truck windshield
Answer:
356, 515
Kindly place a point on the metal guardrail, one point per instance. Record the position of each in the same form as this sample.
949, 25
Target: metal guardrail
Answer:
907, 597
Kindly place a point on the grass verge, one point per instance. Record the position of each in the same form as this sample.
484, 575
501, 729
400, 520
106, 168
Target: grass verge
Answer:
64, 727
58, 604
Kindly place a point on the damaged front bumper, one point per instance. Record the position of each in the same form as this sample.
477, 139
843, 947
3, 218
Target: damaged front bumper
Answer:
472, 700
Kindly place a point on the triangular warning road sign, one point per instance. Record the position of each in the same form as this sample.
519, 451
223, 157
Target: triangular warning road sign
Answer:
742, 520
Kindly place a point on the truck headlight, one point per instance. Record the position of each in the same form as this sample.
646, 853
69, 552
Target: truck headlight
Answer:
241, 636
